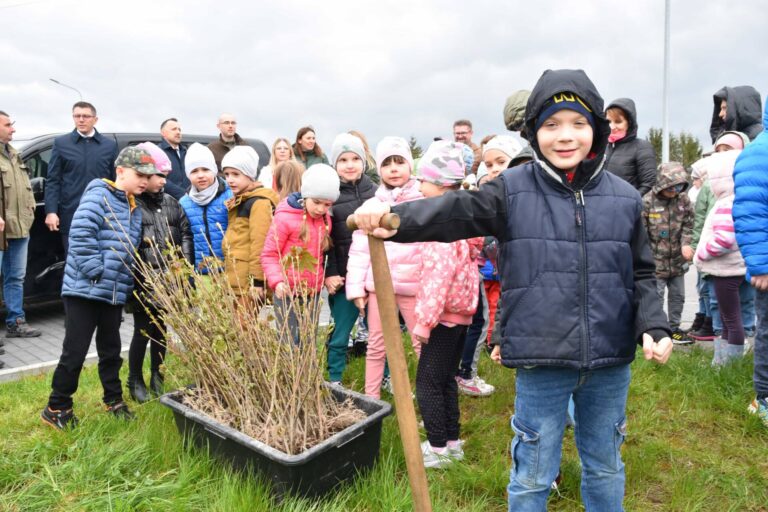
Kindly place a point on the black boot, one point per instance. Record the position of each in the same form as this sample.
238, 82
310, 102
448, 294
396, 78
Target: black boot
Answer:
156, 382
137, 389
705, 332
697, 323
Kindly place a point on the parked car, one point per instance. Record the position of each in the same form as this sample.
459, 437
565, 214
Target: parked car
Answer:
46, 258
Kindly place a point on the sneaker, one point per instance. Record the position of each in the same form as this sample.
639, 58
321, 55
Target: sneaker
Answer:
432, 459
705, 332
759, 406
121, 411
386, 385
59, 419
472, 387
679, 337
484, 386
456, 452
362, 331
21, 330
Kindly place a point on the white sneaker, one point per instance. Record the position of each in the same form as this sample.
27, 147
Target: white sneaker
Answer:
386, 385
432, 459
457, 452
472, 387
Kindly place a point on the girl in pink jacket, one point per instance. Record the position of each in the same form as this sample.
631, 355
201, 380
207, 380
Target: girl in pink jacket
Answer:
445, 302
301, 226
718, 256
394, 164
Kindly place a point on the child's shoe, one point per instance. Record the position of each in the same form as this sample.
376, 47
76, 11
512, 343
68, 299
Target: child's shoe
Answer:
698, 322
474, 386
59, 419
455, 449
156, 381
705, 332
718, 359
433, 459
679, 337
137, 389
732, 353
759, 406
121, 411
386, 385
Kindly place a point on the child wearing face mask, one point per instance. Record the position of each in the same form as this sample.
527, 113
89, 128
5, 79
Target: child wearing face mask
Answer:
628, 157
204, 204
301, 222
394, 163
249, 217
349, 159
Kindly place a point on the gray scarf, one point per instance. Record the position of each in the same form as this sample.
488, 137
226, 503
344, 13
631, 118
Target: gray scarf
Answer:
205, 196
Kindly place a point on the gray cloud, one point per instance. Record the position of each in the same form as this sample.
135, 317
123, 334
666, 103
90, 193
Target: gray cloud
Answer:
385, 68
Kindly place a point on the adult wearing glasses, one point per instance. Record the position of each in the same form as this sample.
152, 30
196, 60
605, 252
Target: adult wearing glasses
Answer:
228, 138
76, 158
462, 132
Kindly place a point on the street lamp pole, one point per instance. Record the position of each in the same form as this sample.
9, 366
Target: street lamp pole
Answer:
665, 93
67, 86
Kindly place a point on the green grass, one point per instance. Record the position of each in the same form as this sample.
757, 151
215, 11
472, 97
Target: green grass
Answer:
691, 446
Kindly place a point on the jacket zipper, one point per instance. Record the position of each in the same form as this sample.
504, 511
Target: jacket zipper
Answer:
580, 223
207, 231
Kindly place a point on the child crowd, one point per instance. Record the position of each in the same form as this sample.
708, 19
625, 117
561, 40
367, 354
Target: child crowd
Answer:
558, 264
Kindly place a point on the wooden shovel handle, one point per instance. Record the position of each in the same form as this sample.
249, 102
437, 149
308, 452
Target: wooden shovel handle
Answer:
388, 221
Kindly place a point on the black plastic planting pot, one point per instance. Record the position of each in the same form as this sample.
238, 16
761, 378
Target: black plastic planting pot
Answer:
311, 473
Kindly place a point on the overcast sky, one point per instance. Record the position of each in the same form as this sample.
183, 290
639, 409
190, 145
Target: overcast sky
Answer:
382, 67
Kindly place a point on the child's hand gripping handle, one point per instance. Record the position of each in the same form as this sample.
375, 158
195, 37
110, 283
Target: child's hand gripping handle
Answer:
393, 342
389, 221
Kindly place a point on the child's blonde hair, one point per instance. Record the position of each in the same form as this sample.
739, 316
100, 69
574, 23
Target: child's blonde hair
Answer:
287, 176
326, 243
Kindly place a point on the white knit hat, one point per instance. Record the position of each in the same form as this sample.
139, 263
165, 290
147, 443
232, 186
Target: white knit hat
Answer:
199, 156
320, 181
244, 159
347, 143
504, 143
393, 146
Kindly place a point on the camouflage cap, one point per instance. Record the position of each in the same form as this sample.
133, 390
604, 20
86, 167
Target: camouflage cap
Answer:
137, 159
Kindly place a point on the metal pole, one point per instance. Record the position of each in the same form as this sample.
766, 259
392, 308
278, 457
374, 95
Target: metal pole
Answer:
665, 93
67, 86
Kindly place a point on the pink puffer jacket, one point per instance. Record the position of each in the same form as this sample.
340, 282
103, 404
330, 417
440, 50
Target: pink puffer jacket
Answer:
404, 259
718, 253
282, 236
449, 286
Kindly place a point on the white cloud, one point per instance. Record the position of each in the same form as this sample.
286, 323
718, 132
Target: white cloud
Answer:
385, 67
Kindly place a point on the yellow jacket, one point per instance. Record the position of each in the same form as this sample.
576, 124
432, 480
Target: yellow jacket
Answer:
250, 215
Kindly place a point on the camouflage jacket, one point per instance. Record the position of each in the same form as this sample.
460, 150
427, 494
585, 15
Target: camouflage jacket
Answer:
669, 221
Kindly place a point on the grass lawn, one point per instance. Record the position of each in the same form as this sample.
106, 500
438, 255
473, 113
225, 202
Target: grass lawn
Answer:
691, 445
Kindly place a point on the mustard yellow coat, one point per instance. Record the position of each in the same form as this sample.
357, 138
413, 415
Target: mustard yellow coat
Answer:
250, 215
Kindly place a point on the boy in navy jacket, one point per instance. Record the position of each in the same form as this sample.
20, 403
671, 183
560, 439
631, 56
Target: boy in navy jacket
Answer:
97, 282
578, 287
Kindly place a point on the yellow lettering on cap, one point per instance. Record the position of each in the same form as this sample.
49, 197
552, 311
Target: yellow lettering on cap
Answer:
564, 96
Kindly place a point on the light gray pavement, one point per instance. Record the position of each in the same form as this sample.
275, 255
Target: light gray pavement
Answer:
28, 356
25, 356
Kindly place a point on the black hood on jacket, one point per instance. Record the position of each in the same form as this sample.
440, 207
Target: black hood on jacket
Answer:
576, 81
630, 112
743, 114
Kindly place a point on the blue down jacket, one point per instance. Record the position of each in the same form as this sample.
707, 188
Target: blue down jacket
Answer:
105, 230
208, 223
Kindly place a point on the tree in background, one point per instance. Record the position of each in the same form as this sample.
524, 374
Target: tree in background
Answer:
416, 150
683, 147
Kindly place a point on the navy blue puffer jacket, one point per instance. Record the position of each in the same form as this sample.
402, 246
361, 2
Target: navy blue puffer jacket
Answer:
105, 230
208, 223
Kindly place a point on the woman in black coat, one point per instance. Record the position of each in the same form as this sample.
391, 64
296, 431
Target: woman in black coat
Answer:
628, 157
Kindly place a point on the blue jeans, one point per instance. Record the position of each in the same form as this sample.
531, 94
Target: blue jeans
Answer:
747, 300
761, 345
13, 268
476, 336
541, 403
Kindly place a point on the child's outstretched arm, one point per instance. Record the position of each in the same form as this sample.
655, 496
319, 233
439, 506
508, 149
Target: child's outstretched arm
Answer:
450, 217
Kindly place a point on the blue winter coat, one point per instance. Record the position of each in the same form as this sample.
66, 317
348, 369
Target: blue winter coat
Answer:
750, 207
105, 230
75, 162
208, 223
